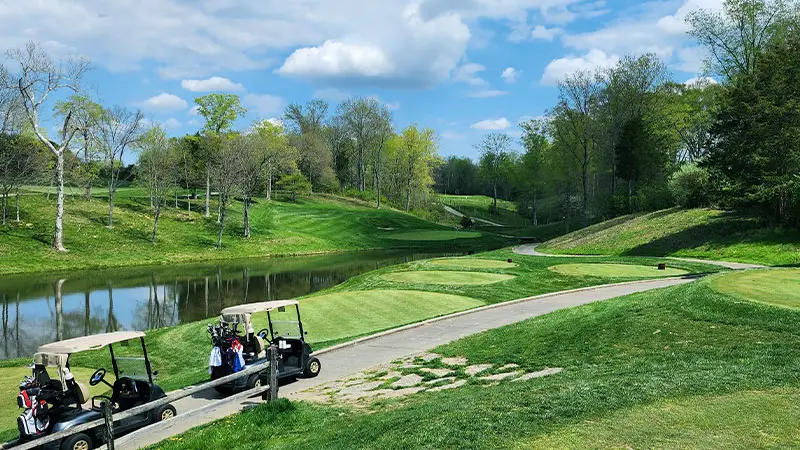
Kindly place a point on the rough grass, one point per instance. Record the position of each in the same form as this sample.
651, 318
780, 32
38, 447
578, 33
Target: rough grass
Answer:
694, 233
433, 235
615, 270
776, 287
623, 359
315, 225
448, 277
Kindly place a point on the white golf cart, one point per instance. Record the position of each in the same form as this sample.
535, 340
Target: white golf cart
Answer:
60, 403
284, 330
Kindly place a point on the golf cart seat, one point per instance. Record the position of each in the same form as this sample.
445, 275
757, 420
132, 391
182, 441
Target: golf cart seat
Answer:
259, 347
82, 393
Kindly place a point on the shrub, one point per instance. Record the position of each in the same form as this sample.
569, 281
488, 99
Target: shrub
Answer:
466, 222
690, 186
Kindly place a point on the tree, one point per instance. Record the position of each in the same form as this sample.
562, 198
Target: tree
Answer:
536, 145
39, 77
225, 171
359, 119
495, 153
253, 157
736, 36
88, 117
574, 123
295, 184
119, 129
22, 160
157, 168
305, 124
416, 157
380, 124
457, 175
279, 155
220, 112
691, 111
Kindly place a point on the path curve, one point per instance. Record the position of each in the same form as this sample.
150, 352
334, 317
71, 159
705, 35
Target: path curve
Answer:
458, 213
530, 250
382, 348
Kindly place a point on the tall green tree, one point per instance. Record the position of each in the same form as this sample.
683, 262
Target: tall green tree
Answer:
417, 156
220, 112
531, 178
157, 162
495, 150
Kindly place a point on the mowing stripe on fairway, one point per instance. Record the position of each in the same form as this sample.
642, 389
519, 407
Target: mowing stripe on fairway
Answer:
446, 277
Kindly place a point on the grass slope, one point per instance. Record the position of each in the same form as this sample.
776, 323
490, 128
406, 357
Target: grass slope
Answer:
623, 359
316, 225
480, 206
695, 233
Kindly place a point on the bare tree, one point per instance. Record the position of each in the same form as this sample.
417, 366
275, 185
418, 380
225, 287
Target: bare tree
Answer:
495, 151
357, 117
38, 77
252, 153
225, 172
279, 155
87, 116
22, 160
120, 128
381, 131
156, 166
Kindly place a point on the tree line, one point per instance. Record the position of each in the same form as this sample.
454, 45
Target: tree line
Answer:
628, 138
355, 149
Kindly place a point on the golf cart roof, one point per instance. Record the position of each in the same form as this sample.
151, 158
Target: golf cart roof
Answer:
84, 343
251, 308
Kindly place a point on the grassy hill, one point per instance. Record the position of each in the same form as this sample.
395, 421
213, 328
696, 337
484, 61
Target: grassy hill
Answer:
315, 225
694, 233
683, 367
480, 206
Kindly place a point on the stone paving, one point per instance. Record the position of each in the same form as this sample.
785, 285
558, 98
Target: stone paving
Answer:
425, 372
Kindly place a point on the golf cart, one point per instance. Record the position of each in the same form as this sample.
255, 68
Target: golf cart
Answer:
60, 403
236, 344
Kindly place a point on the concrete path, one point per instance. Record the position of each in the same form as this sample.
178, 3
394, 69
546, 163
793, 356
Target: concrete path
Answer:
458, 213
530, 250
345, 359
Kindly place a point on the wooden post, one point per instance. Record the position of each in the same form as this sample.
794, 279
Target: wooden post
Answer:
272, 394
108, 431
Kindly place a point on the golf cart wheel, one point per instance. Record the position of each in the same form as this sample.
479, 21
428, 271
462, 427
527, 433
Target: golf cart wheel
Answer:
253, 381
78, 441
313, 366
164, 413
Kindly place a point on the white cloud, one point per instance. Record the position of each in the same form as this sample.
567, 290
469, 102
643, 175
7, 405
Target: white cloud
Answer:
487, 93
164, 103
558, 69
172, 123
263, 104
468, 73
546, 34
276, 121
510, 75
338, 60
213, 84
194, 110
492, 124
700, 82
393, 106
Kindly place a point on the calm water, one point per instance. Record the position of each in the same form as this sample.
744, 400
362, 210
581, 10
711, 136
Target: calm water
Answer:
42, 308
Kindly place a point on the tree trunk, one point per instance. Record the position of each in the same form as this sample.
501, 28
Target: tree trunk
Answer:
221, 223
408, 196
535, 212
59, 309
630, 197
247, 217
378, 187
269, 184
585, 181
155, 223
17, 204
5, 206
111, 208
219, 208
208, 194
176, 200
494, 204
87, 313
360, 168
58, 236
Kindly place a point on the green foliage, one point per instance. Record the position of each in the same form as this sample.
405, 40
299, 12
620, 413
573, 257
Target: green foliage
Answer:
466, 222
296, 185
220, 111
690, 186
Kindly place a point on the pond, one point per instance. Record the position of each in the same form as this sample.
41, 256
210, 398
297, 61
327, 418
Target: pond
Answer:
42, 308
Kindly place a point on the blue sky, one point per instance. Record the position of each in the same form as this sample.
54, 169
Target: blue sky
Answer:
462, 67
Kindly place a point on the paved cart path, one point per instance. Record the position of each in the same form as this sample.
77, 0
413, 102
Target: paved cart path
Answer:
458, 213
530, 250
346, 359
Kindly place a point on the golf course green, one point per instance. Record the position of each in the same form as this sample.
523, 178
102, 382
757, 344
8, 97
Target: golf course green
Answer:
779, 287
446, 277
615, 270
472, 263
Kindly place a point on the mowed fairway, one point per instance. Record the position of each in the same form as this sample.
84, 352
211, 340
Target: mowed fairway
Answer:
615, 270
446, 277
433, 235
777, 287
472, 263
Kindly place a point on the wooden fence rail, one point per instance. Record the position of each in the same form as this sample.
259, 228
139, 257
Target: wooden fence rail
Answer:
173, 396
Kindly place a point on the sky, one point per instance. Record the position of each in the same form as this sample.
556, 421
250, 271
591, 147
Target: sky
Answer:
462, 67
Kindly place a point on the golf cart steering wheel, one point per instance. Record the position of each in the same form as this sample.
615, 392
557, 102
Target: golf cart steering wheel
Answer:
263, 333
98, 377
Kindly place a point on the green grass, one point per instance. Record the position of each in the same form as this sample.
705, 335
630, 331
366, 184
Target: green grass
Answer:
687, 348
775, 287
471, 263
694, 233
316, 225
433, 235
480, 206
615, 270
446, 277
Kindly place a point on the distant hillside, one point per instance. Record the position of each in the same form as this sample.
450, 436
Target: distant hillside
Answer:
694, 233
